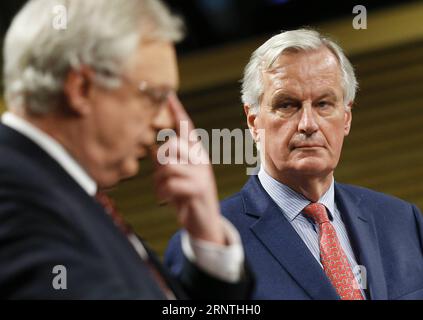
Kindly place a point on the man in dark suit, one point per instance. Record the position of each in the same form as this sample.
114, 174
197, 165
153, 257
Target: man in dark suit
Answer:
306, 236
88, 84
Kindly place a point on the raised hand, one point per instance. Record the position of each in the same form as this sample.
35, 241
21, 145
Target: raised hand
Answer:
187, 181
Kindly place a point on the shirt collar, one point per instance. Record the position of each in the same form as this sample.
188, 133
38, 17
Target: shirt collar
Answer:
52, 148
291, 202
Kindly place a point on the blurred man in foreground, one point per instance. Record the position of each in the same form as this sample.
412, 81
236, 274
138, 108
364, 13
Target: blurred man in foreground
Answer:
305, 235
85, 103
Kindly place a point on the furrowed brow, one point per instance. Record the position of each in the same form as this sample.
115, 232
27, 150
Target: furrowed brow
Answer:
284, 96
328, 95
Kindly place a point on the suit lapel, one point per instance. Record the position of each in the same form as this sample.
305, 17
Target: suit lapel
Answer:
360, 225
281, 240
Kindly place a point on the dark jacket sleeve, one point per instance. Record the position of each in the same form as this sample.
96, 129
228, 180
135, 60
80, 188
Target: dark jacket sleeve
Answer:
199, 284
33, 241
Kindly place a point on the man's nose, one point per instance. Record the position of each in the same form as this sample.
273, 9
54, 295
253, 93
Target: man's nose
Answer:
308, 122
163, 119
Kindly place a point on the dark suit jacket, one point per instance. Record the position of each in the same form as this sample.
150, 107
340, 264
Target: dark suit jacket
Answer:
386, 235
47, 219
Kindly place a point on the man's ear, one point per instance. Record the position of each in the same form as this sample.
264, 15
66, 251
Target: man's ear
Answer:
348, 119
251, 121
77, 90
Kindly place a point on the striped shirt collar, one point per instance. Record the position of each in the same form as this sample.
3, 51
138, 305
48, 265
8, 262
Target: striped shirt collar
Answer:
291, 202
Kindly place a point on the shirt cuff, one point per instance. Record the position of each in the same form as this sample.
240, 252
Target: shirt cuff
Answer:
223, 262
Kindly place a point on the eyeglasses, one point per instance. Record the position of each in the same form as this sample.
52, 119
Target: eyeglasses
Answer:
159, 96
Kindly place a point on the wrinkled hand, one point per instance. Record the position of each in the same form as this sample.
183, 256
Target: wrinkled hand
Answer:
187, 181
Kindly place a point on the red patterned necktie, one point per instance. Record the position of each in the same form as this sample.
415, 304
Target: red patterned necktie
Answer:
111, 210
110, 207
332, 256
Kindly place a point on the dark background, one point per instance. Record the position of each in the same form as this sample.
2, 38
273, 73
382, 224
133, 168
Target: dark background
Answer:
214, 22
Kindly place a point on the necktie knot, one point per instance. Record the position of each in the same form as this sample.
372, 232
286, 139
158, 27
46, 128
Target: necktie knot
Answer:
317, 212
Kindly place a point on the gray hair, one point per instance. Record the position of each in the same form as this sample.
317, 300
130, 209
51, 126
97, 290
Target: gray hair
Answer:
98, 33
299, 40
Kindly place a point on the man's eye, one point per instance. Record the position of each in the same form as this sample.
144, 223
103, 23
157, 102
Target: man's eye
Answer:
323, 104
285, 105
159, 96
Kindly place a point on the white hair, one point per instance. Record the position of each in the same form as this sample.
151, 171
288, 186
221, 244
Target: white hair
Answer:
298, 40
99, 33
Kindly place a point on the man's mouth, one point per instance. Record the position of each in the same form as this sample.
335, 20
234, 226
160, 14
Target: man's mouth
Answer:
142, 153
305, 146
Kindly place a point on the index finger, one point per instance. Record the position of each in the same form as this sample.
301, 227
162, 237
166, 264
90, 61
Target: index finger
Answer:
179, 114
